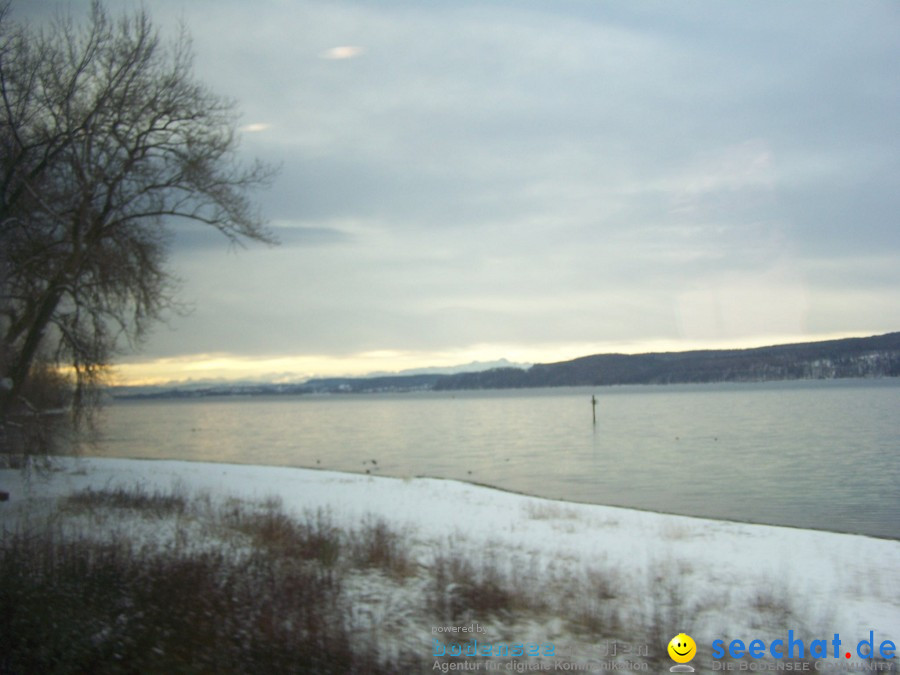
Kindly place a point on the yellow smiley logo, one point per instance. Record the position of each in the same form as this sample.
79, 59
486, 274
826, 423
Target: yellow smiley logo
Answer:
682, 648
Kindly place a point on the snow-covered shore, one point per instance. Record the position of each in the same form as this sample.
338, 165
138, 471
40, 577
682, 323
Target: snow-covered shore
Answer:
730, 580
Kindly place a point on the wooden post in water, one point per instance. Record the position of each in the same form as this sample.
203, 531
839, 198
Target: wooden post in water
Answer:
594, 408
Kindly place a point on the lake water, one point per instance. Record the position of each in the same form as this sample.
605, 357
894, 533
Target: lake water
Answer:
814, 454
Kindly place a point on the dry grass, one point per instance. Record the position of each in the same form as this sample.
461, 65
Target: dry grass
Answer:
377, 545
268, 591
147, 503
75, 606
549, 511
595, 607
267, 599
463, 589
315, 537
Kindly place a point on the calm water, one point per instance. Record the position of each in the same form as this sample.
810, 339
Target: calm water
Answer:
811, 454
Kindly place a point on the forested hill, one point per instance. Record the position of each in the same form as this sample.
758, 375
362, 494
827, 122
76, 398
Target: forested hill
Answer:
853, 357
877, 356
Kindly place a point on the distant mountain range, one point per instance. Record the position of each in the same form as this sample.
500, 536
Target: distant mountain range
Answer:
472, 367
404, 380
877, 356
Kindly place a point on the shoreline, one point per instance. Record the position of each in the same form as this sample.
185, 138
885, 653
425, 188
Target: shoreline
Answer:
498, 488
80, 467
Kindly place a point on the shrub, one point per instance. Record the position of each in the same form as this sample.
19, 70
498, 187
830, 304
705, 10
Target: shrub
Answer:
376, 544
72, 604
462, 589
137, 498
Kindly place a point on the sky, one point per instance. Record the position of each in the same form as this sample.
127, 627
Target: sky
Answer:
469, 181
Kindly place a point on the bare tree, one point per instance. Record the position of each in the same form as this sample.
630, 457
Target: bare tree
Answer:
106, 141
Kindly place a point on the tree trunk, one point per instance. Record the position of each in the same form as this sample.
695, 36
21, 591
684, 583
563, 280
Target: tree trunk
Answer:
21, 364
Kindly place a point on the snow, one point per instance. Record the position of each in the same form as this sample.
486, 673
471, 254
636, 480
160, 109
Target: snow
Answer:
723, 575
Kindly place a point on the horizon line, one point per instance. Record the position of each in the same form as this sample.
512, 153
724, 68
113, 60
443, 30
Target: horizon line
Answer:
225, 368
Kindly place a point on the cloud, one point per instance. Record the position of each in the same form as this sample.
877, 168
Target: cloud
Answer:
342, 53
256, 127
530, 174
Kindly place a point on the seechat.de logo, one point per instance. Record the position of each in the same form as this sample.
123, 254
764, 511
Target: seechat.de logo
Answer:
682, 649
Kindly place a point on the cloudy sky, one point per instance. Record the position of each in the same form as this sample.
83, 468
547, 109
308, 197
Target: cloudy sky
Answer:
539, 180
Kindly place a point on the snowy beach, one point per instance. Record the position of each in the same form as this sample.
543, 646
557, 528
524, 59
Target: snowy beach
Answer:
658, 574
